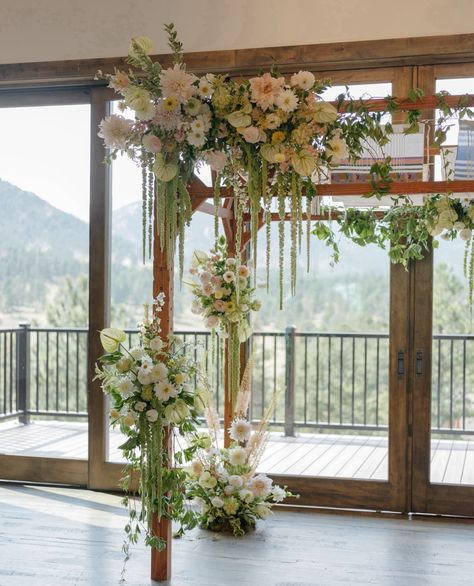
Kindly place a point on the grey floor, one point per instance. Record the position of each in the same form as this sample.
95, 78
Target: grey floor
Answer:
70, 537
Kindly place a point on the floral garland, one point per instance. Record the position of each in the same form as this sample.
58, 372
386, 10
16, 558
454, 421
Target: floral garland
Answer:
407, 229
223, 295
151, 399
223, 483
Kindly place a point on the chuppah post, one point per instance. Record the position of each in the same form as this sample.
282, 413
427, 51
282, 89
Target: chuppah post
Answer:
163, 273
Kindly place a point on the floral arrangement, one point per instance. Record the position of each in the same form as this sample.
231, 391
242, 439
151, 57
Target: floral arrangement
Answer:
223, 482
407, 229
152, 400
263, 136
223, 295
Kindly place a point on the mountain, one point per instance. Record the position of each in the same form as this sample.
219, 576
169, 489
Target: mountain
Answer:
41, 245
27, 222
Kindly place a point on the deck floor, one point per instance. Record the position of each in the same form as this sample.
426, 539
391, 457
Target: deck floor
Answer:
309, 454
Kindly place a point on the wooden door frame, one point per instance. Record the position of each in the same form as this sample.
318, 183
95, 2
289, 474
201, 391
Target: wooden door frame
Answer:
393, 493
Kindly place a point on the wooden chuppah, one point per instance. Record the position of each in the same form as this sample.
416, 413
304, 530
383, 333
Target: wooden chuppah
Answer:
163, 274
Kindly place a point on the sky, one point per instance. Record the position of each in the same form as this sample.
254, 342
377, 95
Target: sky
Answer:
46, 150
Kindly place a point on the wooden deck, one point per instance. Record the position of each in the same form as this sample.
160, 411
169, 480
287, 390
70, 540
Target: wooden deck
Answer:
309, 454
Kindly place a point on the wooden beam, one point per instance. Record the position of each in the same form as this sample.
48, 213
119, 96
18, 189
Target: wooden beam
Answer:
405, 104
208, 208
358, 189
323, 57
162, 283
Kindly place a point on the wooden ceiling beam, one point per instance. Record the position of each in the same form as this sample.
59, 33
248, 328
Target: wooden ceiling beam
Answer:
323, 57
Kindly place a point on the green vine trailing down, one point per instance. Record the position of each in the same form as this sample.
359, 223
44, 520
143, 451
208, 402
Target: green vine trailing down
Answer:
267, 136
151, 397
405, 229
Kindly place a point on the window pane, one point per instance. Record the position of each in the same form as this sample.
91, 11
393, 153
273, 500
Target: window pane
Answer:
44, 263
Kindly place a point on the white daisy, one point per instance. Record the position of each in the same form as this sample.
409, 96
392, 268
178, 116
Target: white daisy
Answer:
287, 101
164, 390
240, 430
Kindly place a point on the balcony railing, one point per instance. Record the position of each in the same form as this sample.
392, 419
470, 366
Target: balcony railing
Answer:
314, 380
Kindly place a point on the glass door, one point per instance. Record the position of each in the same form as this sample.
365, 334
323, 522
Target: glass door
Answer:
44, 268
443, 359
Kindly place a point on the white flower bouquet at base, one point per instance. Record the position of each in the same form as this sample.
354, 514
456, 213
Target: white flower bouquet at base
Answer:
152, 399
223, 482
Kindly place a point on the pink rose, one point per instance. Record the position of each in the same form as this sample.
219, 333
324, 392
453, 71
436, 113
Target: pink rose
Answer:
251, 134
151, 143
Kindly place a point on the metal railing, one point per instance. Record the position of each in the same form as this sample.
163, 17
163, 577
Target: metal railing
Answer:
310, 380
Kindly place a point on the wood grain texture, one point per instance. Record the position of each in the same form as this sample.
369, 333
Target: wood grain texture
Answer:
324, 57
63, 537
163, 281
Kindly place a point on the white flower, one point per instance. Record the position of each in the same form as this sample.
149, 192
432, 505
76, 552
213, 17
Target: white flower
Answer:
196, 138
114, 130
231, 505
216, 159
263, 511
196, 307
237, 456
144, 378
137, 353
217, 502
235, 481
176, 83
229, 489
156, 344
123, 364
260, 485
159, 372
205, 276
152, 415
229, 276
207, 481
278, 494
205, 88
125, 387
231, 262
240, 430
246, 495
287, 101
146, 113
139, 406
192, 107
201, 123
303, 79
164, 390
323, 112
338, 147
196, 468
180, 378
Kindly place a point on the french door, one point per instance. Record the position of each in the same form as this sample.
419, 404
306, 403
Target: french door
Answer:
442, 390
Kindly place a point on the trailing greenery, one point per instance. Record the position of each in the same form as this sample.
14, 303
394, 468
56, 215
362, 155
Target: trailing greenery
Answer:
406, 229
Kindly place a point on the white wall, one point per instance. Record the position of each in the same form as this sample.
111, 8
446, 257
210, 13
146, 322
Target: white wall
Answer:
48, 30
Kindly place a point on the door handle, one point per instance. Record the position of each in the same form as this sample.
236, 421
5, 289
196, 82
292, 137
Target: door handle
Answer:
419, 362
401, 363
